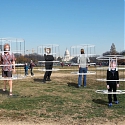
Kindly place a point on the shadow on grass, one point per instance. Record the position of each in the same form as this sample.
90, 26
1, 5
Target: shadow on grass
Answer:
38, 80
72, 84
4, 92
100, 101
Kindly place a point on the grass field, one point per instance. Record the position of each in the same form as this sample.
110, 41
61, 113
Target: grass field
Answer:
60, 101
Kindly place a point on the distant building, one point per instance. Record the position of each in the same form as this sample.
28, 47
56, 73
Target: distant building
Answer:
1, 47
67, 56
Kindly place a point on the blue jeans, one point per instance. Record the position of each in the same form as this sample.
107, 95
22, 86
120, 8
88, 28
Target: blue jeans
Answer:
82, 70
26, 72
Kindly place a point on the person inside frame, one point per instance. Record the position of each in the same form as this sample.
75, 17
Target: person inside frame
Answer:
48, 64
8, 59
83, 67
112, 74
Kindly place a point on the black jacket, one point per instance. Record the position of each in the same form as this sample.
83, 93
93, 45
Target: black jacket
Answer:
112, 75
48, 59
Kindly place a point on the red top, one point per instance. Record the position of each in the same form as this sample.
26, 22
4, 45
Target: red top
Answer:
7, 59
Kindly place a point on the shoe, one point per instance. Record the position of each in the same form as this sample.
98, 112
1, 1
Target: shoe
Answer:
43, 81
110, 104
4, 89
116, 102
79, 86
10, 94
48, 80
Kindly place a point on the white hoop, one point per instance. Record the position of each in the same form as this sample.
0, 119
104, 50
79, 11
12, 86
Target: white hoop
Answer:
14, 77
49, 69
106, 68
13, 39
114, 55
85, 55
13, 64
83, 45
48, 61
88, 73
110, 80
106, 92
107, 57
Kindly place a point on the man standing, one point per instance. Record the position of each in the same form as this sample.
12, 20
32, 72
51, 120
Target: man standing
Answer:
48, 64
82, 61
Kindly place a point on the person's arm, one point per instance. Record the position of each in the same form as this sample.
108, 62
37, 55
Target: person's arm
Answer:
1, 60
78, 61
117, 78
107, 79
14, 66
13, 62
45, 57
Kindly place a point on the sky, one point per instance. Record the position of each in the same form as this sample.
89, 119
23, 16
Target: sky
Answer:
64, 22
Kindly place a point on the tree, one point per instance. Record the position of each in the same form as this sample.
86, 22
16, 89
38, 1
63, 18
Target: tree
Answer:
113, 49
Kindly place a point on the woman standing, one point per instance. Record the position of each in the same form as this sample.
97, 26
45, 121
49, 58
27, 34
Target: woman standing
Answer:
8, 59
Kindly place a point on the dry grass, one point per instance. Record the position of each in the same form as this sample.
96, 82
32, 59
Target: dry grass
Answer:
59, 101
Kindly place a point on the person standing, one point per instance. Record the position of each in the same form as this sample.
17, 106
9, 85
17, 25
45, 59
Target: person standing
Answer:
112, 74
8, 59
26, 67
31, 68
48, 64
82, 61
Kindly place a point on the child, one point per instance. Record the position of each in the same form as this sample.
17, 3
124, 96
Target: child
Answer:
112, 74
26, 67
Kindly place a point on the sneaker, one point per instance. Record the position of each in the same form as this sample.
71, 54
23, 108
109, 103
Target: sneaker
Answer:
79, 86
116, 102
10, 94
4, 89
110, 104
43, 81
48, 80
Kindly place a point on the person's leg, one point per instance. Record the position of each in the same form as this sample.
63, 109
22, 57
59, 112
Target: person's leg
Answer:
110, 95
46, 73
10, 85
31, 71
25, 72
114, 90
80, 77
9, 74
4, 74
50, 72
5, 82
84, 71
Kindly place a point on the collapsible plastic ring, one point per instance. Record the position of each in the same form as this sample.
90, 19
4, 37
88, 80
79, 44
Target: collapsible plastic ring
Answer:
110, 80
106, 92
14, 77
88, 73
48, 69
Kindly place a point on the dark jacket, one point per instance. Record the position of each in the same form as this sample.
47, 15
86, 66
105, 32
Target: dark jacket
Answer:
26, 67
112, 75
32, 65
48, 59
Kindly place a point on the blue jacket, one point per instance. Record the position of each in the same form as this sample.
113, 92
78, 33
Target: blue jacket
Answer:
26, 67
